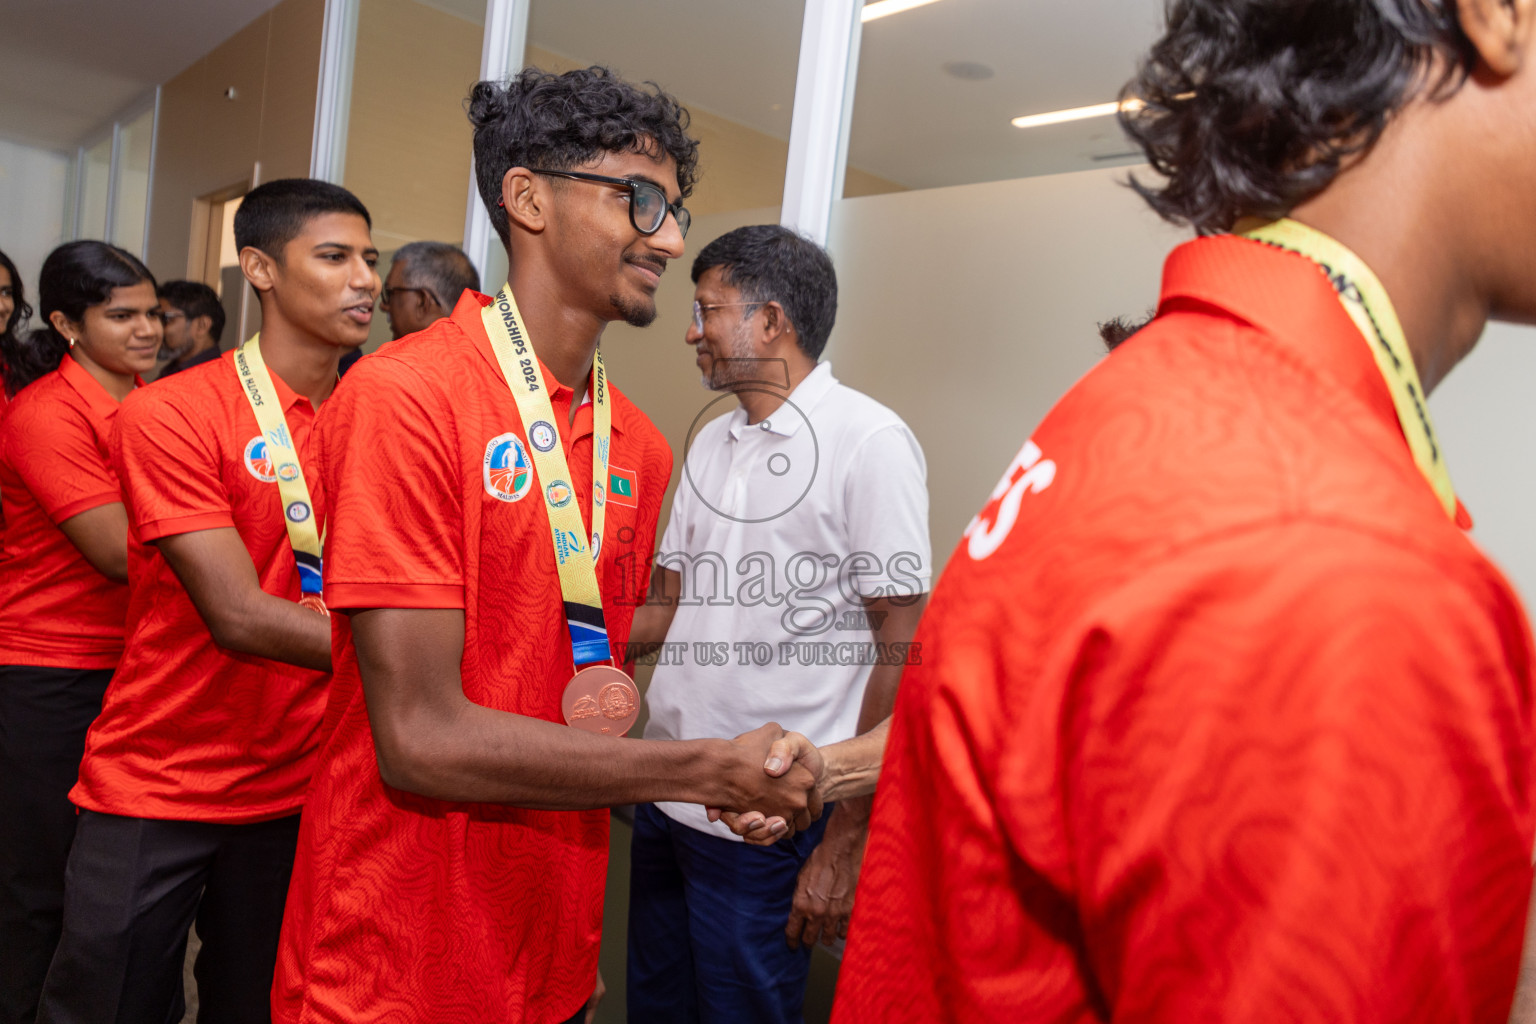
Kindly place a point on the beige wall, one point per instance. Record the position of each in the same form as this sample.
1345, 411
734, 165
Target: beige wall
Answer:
208, 143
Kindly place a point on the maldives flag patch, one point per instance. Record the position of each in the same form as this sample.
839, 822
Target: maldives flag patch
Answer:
621, 487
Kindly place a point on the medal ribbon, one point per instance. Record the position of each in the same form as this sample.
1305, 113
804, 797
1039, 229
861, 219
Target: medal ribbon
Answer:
575, 558
298, 511
1368, 306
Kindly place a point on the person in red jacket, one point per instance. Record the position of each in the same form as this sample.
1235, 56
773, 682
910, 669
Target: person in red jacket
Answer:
1220, 715
195, 772
63, 594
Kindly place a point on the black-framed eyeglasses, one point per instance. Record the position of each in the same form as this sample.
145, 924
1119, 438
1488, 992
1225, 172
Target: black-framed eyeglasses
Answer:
386, 296
168, 315
648, 206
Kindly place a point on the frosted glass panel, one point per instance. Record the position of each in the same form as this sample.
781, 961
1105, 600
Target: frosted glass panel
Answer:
136, 142
95, 182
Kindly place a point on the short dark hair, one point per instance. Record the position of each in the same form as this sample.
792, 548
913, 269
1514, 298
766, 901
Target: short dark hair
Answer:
769, 263
1251, 106
195, 299
75, 276
272, 215
560, 122
441, 268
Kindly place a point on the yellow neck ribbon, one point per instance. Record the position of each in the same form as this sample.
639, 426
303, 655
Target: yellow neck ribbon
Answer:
575, 558
298, 511
1368, 306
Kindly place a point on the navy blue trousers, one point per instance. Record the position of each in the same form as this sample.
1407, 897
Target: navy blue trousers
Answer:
706, 926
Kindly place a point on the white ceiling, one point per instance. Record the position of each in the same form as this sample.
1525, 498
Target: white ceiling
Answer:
67, 66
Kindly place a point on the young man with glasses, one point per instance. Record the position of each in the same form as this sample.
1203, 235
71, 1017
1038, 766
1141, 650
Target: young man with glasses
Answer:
1221, 717
494, 502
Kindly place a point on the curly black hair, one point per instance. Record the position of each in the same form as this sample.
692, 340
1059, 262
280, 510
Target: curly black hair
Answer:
560, 122
1251, 106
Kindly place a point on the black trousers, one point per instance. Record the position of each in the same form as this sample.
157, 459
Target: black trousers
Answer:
132, 891
44, 714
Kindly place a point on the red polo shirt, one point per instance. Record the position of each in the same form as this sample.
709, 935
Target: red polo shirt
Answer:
190, 730
404, 908
1219, 716
55, 608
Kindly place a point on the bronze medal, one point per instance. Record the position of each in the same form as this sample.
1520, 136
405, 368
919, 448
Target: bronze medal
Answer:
601, 699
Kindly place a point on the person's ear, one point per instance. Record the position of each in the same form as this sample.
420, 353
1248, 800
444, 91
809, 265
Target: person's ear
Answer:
775, 322
65, 326
1499, 30
202, 326
259, 268
525, 199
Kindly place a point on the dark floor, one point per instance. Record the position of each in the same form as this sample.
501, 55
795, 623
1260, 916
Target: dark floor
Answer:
818, 998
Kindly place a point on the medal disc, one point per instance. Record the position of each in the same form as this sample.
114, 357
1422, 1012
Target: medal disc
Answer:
601, 699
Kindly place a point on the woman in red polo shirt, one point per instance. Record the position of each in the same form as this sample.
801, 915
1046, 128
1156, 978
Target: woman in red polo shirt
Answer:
63, 573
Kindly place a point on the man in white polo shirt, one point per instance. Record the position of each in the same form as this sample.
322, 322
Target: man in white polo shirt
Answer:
787, 587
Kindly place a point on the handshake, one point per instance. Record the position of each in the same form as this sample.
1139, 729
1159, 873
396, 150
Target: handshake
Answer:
773, 784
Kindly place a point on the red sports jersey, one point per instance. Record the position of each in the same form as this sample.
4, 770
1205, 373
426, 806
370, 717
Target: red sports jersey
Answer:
56, 609
404, 908
1219, 716
190, 730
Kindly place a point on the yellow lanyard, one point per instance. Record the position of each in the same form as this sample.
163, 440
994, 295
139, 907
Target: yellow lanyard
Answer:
1367, 303
298, 511
575, 558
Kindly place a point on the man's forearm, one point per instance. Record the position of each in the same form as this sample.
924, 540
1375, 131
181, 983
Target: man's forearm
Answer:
853, 766
271, 627
479, 754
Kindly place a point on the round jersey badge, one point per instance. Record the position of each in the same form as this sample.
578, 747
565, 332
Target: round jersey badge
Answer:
598, 494
542, 436
506, 471
257, 462
558, 493
288, 471
298, 512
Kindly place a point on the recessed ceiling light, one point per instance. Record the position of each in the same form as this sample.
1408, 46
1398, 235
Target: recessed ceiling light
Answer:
883, 8
1077, 113
969, 70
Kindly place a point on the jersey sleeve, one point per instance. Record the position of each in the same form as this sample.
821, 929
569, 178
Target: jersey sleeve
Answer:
54, 451
171, 476
886, 501
393, 496
1301, 793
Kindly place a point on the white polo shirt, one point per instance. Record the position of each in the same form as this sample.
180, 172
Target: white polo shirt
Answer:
778, 530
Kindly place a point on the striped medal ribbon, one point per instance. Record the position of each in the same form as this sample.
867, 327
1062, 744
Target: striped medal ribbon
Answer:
298, 510
600, 698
